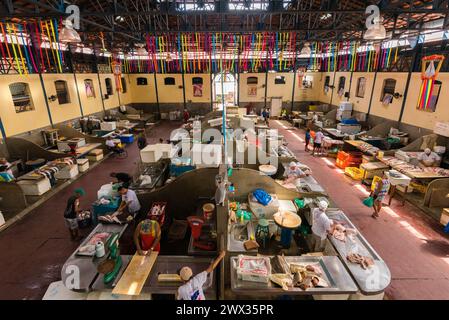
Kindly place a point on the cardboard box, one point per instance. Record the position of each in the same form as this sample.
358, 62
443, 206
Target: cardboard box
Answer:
68, 172
83, 165
34, 187
108, 126
94, 158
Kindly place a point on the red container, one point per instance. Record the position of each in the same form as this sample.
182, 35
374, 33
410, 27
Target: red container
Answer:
195, 223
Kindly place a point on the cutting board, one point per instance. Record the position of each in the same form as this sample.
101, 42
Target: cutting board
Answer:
135, 275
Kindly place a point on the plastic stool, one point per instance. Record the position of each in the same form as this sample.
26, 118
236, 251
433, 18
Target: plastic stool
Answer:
262, 231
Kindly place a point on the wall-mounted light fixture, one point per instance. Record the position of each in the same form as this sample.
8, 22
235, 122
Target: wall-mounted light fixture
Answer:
180, 87
397, 95
52, 98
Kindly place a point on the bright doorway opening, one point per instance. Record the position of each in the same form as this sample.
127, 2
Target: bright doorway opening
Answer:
226, 90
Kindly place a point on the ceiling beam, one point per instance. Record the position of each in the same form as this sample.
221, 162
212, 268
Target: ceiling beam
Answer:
50, 8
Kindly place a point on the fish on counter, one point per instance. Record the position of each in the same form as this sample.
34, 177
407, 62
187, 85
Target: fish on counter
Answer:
364, 262
342, 233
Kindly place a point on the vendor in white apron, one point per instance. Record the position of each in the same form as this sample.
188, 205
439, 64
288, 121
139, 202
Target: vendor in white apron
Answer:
321, 227
293, 173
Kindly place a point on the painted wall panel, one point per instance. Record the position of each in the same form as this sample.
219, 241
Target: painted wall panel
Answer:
361, 104
392, 110
170, 93
189, 88
112, 101
16, 123
142, 93
244, 88
66, 111
90, 104
421, 118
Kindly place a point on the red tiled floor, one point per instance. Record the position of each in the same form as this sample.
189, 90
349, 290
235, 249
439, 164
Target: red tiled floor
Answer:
411, 243
33, 250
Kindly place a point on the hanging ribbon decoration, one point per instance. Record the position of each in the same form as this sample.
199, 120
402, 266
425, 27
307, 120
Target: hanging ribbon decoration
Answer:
10, 59
428, 76
20, 65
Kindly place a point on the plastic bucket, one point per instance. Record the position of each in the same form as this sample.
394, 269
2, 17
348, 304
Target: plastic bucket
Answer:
195, 223
208, 211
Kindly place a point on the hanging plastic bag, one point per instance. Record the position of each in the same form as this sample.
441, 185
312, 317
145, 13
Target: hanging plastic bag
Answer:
369, 202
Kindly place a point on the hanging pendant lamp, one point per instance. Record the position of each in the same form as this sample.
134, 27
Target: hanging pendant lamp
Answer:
68, 34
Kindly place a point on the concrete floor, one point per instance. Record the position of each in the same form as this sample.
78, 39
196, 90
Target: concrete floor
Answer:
413, 245
33, 250
416, 250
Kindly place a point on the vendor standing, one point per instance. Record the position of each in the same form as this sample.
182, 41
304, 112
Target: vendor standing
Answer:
428, 158
192, 289
122, 177
293, 173
321, 227
129, 203
147, 237
71, 213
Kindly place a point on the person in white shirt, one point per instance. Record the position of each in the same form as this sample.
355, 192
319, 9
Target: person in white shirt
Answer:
192, 289
317, 142
321, 227
130, 203
293, 173
428, 158
110, 143
314, 118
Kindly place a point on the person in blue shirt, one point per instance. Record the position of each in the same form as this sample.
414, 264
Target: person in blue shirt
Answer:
307, 139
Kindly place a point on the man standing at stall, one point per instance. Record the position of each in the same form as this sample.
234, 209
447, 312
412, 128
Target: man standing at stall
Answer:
317, 142
71, 213
192, 289
321, 227
129, 203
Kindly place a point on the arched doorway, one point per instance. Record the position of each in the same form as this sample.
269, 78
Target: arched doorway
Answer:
227, 90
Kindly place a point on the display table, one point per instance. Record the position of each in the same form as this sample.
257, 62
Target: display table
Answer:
365, 280
340, 282
398, 180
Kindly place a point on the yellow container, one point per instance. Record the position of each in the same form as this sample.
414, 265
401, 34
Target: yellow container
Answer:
312, 108
374, 183
354, 172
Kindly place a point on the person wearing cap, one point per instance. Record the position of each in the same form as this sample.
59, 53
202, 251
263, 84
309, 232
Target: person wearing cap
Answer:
428, 158
293, 173
71, 213
321, 227
192, 289
147, 237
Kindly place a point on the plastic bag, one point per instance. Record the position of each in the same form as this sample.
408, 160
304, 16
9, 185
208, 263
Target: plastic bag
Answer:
262, 196
299, 203
446, 228
369, 202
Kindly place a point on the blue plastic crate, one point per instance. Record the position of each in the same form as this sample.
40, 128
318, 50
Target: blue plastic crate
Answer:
127, 138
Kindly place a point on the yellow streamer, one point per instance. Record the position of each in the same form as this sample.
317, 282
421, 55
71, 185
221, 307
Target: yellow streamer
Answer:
54, 37
25, 69
8, 28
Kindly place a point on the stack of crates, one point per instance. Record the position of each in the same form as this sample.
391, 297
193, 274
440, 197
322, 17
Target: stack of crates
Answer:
348, 159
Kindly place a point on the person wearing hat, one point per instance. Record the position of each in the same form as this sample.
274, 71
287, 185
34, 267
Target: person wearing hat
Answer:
71, 213
293, 173
192, 289
428, 158
321, 226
